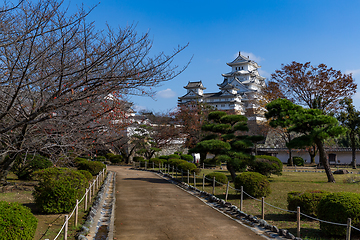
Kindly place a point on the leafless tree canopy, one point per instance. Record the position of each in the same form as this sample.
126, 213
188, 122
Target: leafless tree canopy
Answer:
59, 76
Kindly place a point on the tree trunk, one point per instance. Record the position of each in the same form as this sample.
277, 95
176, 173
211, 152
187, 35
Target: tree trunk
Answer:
231, 169
324, 161
290, 160
5, 166
353, 150
312, 153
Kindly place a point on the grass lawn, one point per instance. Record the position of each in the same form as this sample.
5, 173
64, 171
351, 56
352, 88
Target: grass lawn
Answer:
280, 186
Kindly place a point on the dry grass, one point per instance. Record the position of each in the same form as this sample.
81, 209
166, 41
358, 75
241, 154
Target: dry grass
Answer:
280, 186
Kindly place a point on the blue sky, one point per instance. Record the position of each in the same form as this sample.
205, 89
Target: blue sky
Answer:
270, 32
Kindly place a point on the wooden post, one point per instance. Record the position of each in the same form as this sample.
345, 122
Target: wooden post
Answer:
348, 229
194, 180
66, 227
203, 186
298, 222
76, 212
188, 177
213, 191
262, 208
172, 172
94, 190
241, 197
86, 200
145, 165
90, 193
153, 166
203, 166
182, 176
133, 164
227, 191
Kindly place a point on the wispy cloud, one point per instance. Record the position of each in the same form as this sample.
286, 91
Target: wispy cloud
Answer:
355, 72
264, 73
167, 93
138, 108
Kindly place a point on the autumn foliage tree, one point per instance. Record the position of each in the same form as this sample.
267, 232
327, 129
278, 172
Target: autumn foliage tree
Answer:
191, 117
317, 87
57, 71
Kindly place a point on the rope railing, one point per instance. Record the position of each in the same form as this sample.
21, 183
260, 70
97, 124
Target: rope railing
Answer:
167, 169
95, 185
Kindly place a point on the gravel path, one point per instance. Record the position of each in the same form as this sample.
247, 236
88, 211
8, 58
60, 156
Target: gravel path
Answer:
149, 207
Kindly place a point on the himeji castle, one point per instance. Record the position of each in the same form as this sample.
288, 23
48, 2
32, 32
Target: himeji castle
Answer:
239, 93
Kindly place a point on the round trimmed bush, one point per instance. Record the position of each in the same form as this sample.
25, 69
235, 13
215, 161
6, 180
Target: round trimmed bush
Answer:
298, 161
94, 167
24, 166
174, 156
114, 159
164, 157
307, 201
185, 166
157, 161
219, 177
58, 189
175, 161
100, 158
138, 159
16, 221
254, 184
187, 157
266, 165
338, 207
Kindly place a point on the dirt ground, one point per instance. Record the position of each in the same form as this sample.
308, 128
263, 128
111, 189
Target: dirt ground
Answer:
149, 207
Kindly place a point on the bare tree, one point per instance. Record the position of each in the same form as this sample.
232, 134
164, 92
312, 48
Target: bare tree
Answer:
57, 70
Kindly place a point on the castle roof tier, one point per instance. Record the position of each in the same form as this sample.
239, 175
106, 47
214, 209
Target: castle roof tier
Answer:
241, 59
195, 85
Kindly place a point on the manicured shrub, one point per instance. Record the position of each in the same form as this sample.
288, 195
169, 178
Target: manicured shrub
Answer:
187, 157
86, 174
94, 167
219, 177
100, 158
58, 189
164, 157
175, 161
266, 165
307, 201
174, 156
254, 184
114, 159
25, 165
298, 161
157, 161
185, 166
138, 159
16, 222
338, 207
78, 160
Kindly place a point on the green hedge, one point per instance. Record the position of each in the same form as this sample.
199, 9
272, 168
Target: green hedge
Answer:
254, 184
338, 207
307, 201
16, 222
58, 189
219, 177
266, 165
94, 167
86, 174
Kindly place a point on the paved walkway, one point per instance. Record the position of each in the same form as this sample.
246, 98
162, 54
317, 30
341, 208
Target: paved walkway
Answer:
149, 207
